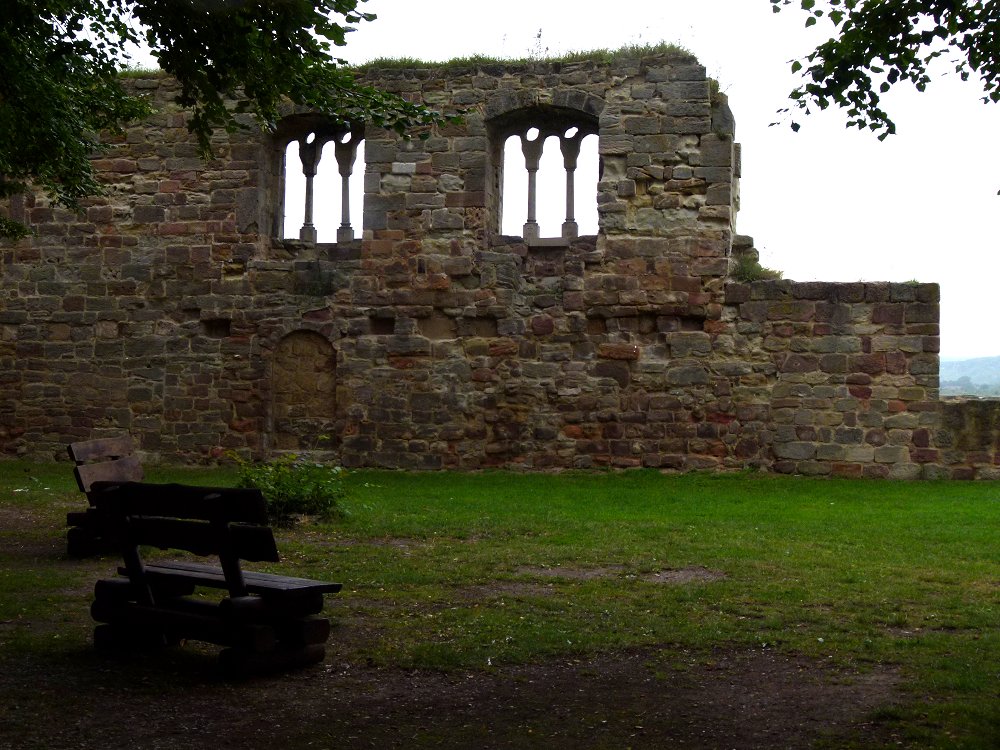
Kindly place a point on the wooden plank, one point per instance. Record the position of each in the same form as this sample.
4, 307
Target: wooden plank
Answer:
122, 590
254, 543
187, 619
125, 469
303, 631
264, 608
180, 501
101, 448
257, 583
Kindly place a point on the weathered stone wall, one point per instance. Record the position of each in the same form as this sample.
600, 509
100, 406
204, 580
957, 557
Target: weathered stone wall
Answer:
852, 375
968, 439
168, 308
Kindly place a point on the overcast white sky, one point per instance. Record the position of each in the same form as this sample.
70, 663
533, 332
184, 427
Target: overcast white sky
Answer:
822, 204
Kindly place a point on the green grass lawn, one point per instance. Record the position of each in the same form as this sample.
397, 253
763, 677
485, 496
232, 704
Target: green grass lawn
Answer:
451, 571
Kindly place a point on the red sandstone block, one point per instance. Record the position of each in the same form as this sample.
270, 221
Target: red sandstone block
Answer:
403, 363
850, 471
895, 363
794, 311
503, 348
686, 284
924, 455
799, 363
178, 254
860, 392
876, 471
872, 364
172, 228
542, 325
737, 294
618, 351
378, 248
573, 301
887, 314
242, 425
468, 199
100, 214
917, 312
73, 303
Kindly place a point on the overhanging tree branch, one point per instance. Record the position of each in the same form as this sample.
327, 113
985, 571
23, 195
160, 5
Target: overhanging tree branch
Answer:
878, 44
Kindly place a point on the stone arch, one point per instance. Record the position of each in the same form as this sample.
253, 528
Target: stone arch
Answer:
303, 393
560, 117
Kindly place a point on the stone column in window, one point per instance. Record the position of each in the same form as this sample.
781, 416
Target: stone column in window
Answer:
569, 144
532, 150
310, 151
346, 152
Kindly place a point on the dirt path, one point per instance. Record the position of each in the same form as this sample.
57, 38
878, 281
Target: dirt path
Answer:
637, 699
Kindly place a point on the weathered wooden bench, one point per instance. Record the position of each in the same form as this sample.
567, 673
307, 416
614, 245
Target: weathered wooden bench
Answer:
104, 459
265, 621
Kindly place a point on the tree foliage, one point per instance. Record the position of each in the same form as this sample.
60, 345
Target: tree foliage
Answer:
880, 43
60, 83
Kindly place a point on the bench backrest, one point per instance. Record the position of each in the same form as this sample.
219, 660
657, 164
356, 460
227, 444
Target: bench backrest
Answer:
105, 459
211, 521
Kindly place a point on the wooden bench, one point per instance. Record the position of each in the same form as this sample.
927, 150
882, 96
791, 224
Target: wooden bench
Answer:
265, 621
104, 459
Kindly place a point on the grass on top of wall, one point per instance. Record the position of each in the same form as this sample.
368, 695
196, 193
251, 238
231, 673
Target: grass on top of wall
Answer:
602, 55
471, 571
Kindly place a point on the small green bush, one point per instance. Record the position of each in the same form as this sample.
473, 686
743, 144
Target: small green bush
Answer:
747, 268
293, 487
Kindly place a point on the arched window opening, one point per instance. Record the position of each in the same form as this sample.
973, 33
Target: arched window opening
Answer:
323, 180
550, 175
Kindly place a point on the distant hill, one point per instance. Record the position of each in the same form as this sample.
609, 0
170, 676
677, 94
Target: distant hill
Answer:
973, 377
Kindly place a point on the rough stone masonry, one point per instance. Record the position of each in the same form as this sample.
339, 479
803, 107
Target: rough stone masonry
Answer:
170, 307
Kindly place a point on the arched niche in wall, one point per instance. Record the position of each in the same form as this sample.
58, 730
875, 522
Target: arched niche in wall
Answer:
303, 393
317, 169
544, 171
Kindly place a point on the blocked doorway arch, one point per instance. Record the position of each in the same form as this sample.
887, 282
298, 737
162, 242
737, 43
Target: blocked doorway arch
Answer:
304, 393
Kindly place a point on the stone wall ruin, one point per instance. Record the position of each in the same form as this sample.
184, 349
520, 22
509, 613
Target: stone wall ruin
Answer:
172, 306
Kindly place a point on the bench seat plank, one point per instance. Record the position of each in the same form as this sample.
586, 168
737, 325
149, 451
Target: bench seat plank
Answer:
257, 583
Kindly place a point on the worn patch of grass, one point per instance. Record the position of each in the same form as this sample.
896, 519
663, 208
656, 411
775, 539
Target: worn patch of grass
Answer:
473, 571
